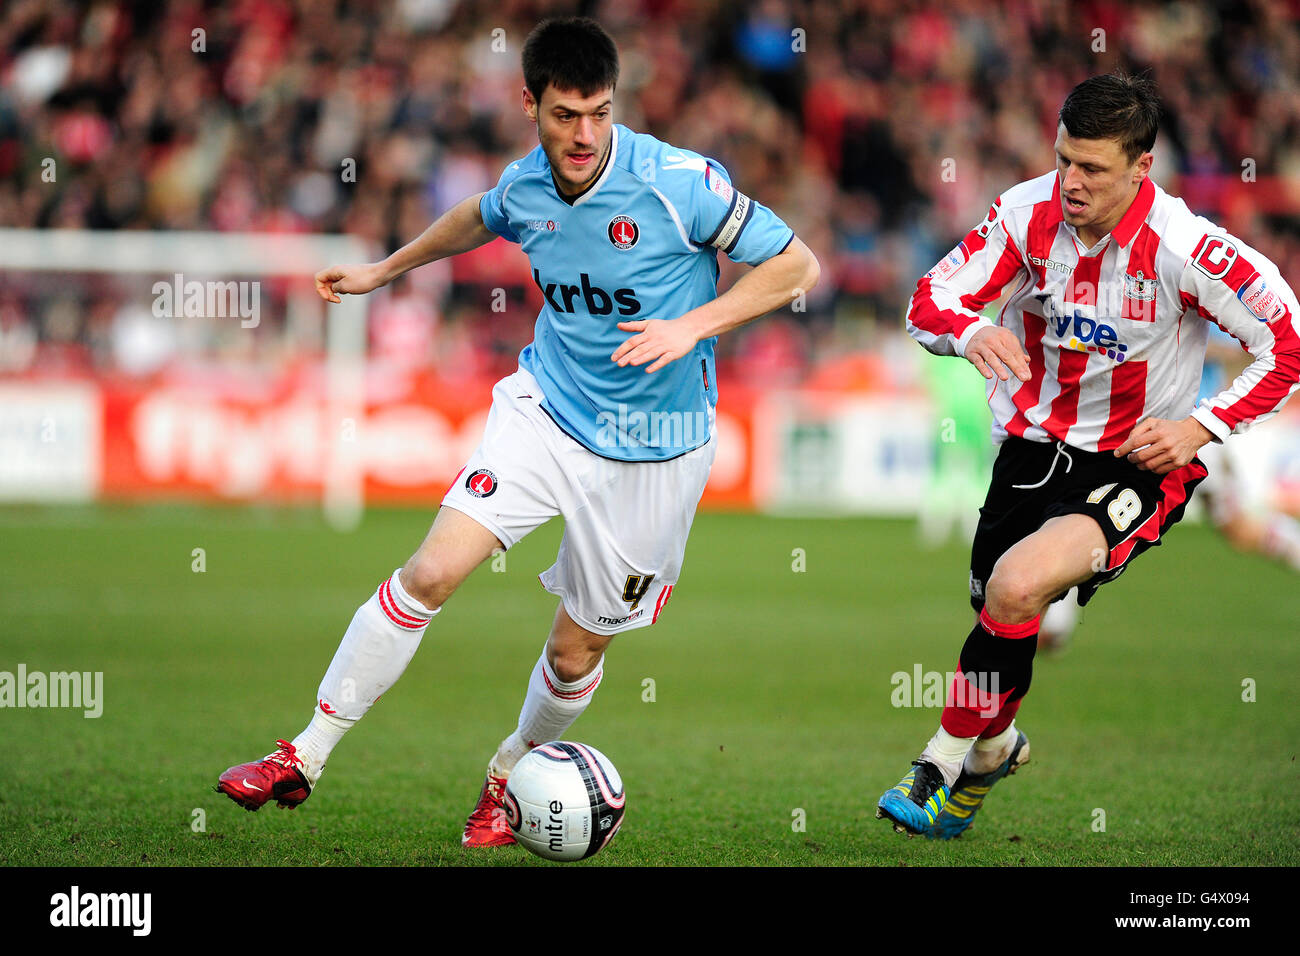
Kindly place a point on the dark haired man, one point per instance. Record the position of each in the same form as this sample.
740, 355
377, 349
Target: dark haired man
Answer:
622, 232
1093, 370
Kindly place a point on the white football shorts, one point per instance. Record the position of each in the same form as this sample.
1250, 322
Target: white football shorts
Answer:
625, 522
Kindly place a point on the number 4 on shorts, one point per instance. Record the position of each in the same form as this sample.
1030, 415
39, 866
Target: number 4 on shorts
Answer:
635, 588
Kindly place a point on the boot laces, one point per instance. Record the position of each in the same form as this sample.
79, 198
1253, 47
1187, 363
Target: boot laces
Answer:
925, 783
286, 756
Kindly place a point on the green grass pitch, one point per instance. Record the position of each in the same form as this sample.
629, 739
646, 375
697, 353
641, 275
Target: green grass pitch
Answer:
772, 698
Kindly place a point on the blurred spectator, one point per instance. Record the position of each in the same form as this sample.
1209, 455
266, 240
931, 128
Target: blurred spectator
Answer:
879, 130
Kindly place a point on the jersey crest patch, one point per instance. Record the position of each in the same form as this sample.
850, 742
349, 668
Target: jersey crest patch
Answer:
481, 484
624, 232
1139, 288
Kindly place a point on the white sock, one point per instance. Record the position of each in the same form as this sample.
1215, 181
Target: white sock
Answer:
947, 753
988, 754
314, 744
379, 643
550, 708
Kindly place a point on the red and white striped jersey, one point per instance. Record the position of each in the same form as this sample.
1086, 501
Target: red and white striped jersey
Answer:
1115, 333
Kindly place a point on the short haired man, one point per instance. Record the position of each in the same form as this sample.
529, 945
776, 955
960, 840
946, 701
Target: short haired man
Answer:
1092, 366
622, 232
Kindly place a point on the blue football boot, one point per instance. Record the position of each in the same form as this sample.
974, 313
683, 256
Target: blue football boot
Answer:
915, 802
969, 791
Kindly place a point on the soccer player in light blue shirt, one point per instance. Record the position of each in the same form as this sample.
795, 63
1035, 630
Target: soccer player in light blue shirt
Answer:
638, 242
608, 420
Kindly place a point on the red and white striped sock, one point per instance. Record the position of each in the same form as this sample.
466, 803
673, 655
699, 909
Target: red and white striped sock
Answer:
550, 708
378, 645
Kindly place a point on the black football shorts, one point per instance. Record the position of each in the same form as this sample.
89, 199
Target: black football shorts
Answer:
1034, 481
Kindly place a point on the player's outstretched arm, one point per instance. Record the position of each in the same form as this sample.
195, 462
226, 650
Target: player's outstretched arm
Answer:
769, 285
457, 230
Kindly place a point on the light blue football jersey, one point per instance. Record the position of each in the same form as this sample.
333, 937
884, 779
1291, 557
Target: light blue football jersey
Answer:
640, 243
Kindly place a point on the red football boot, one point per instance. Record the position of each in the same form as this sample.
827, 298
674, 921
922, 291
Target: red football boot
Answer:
276, 776
487, 825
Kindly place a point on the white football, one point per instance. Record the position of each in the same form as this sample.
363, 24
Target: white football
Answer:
564, 801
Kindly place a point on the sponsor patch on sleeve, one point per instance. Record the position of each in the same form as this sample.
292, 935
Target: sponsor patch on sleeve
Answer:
1265, 304
950, 264
717, 185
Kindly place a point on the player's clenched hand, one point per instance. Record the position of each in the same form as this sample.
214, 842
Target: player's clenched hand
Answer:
995, 350
349, 280
1161, 446
658, 341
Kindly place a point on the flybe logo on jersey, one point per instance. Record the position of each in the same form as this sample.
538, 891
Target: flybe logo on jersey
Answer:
564, 298
1079, 333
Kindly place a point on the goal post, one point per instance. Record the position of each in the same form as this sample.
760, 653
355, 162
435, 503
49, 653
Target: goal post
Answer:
215, 254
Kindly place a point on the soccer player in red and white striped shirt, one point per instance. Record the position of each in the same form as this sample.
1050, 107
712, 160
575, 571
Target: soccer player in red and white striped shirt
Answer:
1093, 367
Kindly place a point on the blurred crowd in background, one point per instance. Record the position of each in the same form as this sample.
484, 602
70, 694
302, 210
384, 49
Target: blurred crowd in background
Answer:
879, 129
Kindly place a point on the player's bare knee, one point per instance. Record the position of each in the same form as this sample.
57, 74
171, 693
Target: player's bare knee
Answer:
1013, 595
427, 579
572, 663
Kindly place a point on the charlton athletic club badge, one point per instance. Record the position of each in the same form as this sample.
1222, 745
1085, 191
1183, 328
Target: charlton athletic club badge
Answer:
624, 232
481, 484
